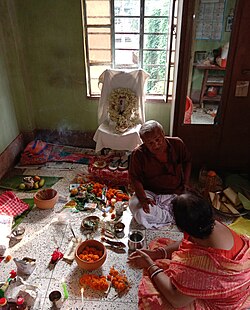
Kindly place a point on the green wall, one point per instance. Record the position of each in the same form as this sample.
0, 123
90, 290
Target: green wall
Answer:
46, 70
8, 121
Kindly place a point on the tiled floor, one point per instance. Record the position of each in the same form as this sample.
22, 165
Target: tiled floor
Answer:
43, 235
204, 115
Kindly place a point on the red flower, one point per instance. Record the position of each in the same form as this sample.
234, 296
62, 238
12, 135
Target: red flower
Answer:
56, 256
12, 274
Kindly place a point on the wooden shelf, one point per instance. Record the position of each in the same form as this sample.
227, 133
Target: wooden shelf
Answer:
208, 81
215, 98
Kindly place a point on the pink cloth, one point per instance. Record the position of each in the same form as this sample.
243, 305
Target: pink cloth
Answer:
216, 281
10, 204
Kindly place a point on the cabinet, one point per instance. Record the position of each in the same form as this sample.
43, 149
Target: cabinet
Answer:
210, 78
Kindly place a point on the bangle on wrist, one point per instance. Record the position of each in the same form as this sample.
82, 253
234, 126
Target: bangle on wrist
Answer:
152, 265
164, 252
155, 273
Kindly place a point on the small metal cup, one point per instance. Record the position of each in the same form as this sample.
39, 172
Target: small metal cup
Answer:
119, 229
56, 299
135, 240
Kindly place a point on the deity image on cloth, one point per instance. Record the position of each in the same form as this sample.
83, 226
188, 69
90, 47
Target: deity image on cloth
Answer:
122, 102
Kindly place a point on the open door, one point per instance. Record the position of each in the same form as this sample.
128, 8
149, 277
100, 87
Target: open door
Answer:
206, 82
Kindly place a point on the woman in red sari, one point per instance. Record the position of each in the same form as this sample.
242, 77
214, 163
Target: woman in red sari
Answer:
208, 269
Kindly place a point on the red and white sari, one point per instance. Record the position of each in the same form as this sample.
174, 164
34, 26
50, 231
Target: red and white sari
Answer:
216, 281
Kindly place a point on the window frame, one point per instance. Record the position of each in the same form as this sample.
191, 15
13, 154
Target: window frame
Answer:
170, 48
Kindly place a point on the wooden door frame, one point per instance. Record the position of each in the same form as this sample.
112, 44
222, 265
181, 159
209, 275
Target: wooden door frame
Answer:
203, 140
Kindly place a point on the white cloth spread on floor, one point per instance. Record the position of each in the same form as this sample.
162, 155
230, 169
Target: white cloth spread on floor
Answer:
160, 214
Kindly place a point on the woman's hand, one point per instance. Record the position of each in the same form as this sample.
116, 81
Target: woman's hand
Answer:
143, 258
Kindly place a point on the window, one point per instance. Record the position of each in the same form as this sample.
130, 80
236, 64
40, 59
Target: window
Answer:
130, 34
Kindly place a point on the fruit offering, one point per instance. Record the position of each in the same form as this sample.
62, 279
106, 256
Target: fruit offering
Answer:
98, 190
31, 182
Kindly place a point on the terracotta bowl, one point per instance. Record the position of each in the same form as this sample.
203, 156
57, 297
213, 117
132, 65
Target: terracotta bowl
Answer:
46, 198
90, 265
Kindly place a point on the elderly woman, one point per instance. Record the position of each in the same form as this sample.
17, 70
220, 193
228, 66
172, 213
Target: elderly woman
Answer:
208, 269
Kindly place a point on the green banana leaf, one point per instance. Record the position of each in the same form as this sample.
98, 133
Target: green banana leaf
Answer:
12, 183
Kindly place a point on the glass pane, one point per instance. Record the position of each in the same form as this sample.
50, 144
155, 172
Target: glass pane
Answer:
155, 87
155, 41
154, 57
98, 21
170, 88
98, 30
98, 12
171, 73
99, 41
172, 57
127, 24
126, 58
156, 25
126, 41
156, 72
99, 56
95, 90
157, 7
96, 71
127, 7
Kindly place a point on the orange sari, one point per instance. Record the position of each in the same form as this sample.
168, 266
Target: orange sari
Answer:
216, 281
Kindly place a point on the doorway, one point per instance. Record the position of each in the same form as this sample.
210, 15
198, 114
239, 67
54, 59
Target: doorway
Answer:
211, 31
225, 143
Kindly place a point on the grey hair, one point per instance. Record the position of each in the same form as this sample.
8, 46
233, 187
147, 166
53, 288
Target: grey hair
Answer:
150, 126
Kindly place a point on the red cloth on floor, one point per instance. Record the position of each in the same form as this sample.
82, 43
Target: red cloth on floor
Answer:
10, 204
108, 177
36, 153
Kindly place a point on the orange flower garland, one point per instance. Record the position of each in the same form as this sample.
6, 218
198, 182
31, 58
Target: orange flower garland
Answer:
118, 279
101, 283
90, 254
111, 192
98, 283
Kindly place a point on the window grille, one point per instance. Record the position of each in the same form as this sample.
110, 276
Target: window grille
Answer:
130, 34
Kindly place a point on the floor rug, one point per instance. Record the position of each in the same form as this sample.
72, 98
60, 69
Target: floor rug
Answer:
39, 152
